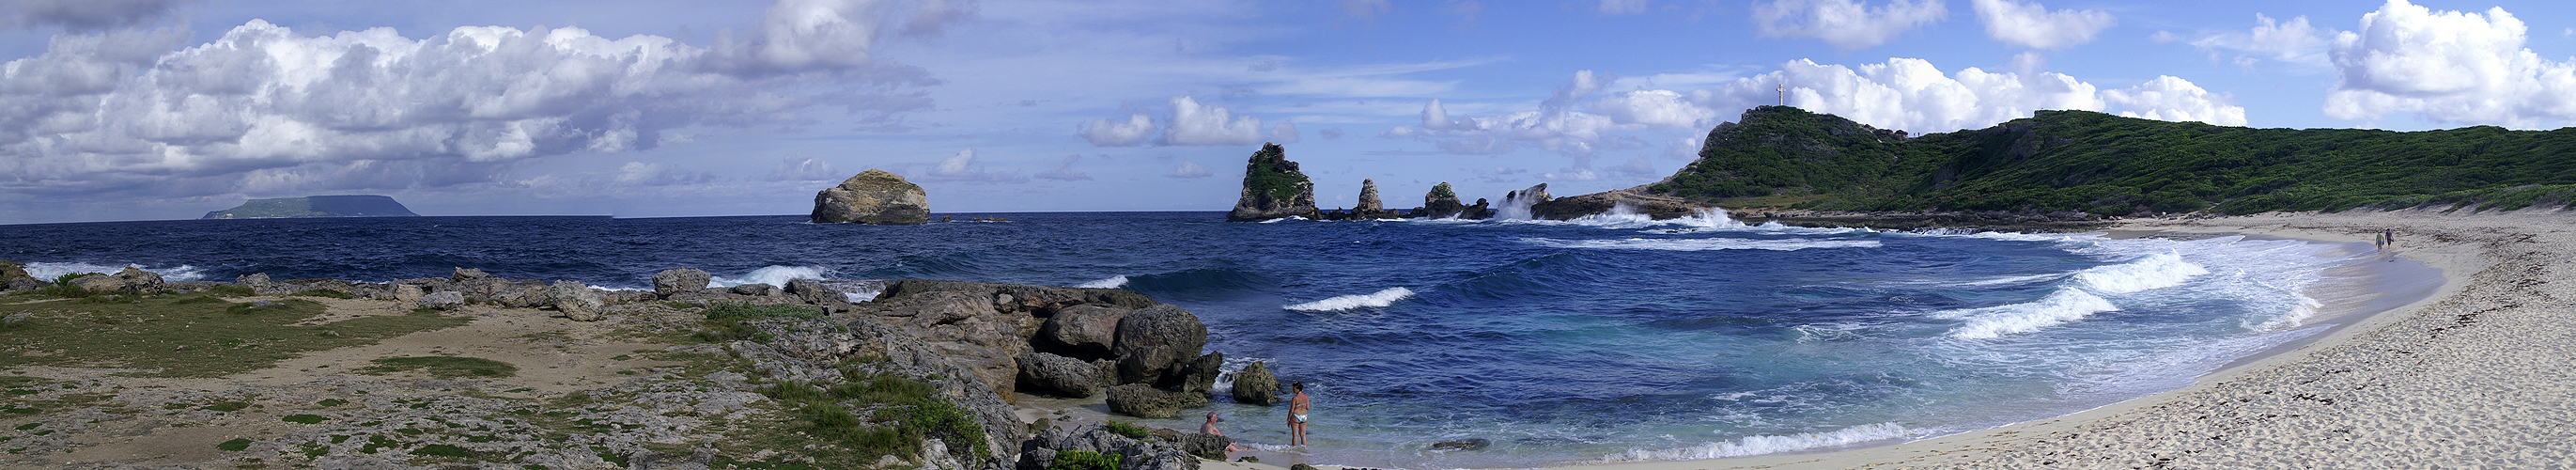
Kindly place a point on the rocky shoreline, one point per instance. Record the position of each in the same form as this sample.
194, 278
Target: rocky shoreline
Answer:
721, 386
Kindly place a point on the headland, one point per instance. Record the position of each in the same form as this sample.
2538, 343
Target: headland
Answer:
315, 206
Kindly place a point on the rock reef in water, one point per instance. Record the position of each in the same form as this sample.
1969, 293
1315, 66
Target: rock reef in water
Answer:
1443, 203
355, 205
1658, 207
876, 197
1274, 189
1370, 206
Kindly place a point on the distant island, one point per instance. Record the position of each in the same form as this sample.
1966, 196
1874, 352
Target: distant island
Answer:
359, 205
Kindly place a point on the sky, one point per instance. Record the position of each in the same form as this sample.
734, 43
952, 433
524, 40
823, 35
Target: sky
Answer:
167, 109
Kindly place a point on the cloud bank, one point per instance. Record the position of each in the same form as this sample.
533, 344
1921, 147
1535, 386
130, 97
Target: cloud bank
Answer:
266, 110
2449, 67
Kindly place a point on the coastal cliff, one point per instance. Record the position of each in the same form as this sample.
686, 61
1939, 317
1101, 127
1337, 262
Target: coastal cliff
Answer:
315, 206
1274, 189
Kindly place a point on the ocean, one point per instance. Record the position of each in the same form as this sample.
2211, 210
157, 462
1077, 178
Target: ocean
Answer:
1611, 338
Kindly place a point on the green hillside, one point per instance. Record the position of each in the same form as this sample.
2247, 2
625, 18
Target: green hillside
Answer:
2110, 165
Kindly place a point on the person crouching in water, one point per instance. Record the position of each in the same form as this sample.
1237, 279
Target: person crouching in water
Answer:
1209, 428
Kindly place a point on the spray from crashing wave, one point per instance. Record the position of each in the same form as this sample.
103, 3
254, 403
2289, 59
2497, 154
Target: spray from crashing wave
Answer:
1516, 204
773, 275
49, 271
1112, 282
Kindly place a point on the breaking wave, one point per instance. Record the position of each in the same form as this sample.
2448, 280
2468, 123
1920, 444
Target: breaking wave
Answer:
1758, 445
2150, 272
1112, 282
49, 271
2064, 305
1701, 244
773, 275
1380, 299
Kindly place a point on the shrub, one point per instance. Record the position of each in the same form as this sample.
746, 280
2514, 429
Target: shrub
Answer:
1124, 428
1085, 460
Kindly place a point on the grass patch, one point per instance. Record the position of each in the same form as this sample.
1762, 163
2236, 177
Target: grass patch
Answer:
188, 336
230, 406
331, 402
305, 419
725, 320
235, 445
1085, 460
444, 366
901, 412
323, 293
64, 288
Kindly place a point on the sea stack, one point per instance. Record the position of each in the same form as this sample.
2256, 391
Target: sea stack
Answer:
1442, 203
1274, 189
875, 197
1370, 206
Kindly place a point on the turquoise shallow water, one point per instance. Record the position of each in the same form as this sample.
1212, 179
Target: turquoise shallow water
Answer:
1610, 338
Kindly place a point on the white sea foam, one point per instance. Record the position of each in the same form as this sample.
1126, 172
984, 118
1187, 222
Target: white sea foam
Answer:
2064, 305
49, 271
1380, 299
1700, 244
773, 275
2302, 308
2150, 272
1112, 282
2010, 280
1758, 445
1283, 219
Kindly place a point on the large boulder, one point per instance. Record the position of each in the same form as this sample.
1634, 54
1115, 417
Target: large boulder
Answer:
518, 294
1254, 385
1038, 453
873, 197
577, 301
1274, 189
1061, 376
443, 300
1205, 446
1083, 331
1196, 376
100, 284
673, 281
256, 282
1156, 341
407, 293
138, 281
813, 292
1145, 401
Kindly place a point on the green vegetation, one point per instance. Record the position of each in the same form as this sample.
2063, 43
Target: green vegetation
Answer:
1085, 460
305, 419
1130, 430
64, 288
1442, 191
2109, 165
1270, 174
445, 367
235, 445
901, 412
179, 336
725, 320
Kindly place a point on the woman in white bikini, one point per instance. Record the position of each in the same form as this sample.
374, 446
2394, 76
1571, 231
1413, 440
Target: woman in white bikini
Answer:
1297, 406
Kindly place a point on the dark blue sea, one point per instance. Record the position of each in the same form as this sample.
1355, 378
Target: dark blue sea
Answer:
1612, 338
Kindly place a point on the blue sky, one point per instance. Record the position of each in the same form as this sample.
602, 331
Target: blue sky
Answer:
166, 109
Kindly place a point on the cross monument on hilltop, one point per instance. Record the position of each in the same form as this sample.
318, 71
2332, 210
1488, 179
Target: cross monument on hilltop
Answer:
1784, 94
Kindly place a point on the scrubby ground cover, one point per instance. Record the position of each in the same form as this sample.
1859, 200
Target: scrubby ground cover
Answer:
196, 380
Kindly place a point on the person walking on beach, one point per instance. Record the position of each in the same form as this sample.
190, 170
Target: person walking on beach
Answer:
1297, 406
2380, 240
1209, 428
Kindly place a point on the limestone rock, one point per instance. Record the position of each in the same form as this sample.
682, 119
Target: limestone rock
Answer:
100, 284
468, 274
813, 292
672, 281
254, 281
513, 294
1040, 450
1157, 341
407, 293
1084, 331
873, 197
1274, 189
1206, 446
138, 281
1369, 202
11, 272
1058, 376
1631, 200
443, 300
1442, 203
1196, 376
1520, 204
577, 301
754, 289
1145, 401
1254, 385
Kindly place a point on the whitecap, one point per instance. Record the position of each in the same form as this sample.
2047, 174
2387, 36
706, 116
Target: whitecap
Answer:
773, 275
1283, 219
1112, 282
2062, 306
1700, 244
49, 271
2150, 272
1380, 299
1767, 444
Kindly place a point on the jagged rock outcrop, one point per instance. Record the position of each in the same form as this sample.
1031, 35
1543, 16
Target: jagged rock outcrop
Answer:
874, 197
1255, 385
1055, 340
577, 301
1274, 189
1659, 207
674, 281
1061, 376
443, 300
1442, 203
1145, 401
14, 277
1039, 452
1370, 206
1157, 341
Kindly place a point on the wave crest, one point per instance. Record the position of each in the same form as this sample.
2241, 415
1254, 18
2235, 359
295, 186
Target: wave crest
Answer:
773, 275
1700, 244
49, 271
1766, 444
1380, 299
2064, 305
1112, 282
2150, 272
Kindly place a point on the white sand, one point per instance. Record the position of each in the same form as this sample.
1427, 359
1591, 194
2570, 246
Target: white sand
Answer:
2480, 374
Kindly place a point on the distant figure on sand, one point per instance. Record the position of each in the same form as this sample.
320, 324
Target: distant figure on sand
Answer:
1209, 428
1297, 407
2379, 240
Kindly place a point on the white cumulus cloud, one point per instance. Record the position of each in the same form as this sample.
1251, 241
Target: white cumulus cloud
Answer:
1845, 24
265, 109
2034, 26
1556, 126
1196, 124
2174, 99
2448, 66
1113, 133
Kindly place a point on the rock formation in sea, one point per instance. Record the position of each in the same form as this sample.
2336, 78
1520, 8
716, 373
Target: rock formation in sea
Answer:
1443, 203
358, 205
874, 197
1370, 206
1659, 207
1274, 189
1254, 385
